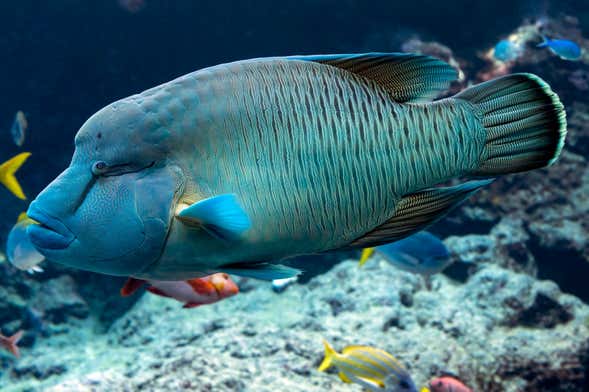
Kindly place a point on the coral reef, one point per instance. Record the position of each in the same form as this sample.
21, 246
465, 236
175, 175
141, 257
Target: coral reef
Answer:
500, 331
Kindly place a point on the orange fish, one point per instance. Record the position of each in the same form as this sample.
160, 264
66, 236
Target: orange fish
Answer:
10, 343
193, 292
448, 384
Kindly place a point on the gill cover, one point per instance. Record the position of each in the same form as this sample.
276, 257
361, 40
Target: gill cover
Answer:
115, 225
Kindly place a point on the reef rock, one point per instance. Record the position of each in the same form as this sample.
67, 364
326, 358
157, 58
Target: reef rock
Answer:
499, 331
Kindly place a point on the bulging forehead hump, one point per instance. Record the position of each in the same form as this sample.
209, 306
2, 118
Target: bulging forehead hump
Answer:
130, 126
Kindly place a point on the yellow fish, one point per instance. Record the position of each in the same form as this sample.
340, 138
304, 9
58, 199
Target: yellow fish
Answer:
366, 253
372, 368
7, 170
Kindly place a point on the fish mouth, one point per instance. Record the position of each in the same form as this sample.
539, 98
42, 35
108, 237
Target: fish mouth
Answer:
49, 232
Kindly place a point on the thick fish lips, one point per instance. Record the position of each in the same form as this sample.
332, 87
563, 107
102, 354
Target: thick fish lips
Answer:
50, 233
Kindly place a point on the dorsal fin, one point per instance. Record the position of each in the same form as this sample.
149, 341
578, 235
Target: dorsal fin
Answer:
416, 211
408, 77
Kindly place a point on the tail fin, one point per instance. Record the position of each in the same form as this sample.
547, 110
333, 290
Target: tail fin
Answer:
329, 355
7, 170
544, 43
11, 343
525, 123
366, 253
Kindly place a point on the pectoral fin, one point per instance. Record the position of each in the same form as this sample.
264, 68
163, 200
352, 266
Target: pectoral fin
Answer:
221, 216
262, 271
416, 211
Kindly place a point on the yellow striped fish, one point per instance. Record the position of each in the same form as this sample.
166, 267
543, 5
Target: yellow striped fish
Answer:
372, 368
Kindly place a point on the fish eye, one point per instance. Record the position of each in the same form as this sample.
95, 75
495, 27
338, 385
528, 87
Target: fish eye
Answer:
404, 384
99, 168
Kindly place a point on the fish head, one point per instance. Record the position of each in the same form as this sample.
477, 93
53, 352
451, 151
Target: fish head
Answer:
110, 211
224, 285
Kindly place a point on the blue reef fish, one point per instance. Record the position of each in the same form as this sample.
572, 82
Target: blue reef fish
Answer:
238, 166
19, 128
372, 368
422, 253
563, 48
7, 170
20, 251
507, 50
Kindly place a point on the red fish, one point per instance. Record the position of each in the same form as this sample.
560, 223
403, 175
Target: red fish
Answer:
9, 343
448, 384
192, 293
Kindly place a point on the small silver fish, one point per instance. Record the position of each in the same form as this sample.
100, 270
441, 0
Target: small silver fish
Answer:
19, 128
20, 251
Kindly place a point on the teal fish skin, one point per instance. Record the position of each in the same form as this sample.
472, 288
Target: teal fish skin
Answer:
292, 138
316, 158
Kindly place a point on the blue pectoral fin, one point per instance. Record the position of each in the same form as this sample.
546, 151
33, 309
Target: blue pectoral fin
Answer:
262, 271
221, 216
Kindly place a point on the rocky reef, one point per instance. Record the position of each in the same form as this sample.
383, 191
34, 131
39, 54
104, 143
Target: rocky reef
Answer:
499, 331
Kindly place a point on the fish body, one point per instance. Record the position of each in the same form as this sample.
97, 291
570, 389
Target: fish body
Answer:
372, 368
421, 253
448, 384
235, 167
7, 170
10, 343
193, 292
20, 251
19, 128
563, 48
506, 50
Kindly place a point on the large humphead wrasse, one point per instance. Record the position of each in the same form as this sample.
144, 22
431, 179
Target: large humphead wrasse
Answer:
235, 167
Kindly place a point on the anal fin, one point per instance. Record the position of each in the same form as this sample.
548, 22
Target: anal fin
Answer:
416, 211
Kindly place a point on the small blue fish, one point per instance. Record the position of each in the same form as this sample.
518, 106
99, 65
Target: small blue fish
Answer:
506, 50
422, 253
20, 251
563, 48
